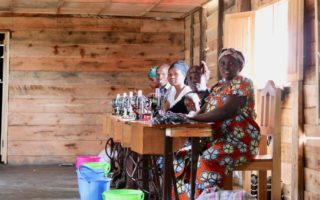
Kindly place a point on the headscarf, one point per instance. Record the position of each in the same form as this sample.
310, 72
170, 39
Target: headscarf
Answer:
181, 66
201, 69
152, 73
233, 53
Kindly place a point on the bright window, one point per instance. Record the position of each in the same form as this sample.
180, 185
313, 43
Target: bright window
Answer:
262, 36
271, 45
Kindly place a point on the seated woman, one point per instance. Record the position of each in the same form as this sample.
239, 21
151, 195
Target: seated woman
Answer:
176, 77
152, 77
197, 78
235, 134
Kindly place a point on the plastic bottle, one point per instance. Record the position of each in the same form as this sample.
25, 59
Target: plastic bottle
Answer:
120, 105
140, 105
125, 105
115, 105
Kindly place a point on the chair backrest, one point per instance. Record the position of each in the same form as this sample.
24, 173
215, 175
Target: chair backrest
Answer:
269, 115
269, 108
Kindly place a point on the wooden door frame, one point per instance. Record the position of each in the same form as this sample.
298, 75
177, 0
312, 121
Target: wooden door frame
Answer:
5, 99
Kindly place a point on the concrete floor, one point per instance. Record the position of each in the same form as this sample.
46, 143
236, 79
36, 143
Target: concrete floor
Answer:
38, 182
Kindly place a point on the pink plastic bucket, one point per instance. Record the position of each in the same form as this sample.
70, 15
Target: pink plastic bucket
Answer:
83, 159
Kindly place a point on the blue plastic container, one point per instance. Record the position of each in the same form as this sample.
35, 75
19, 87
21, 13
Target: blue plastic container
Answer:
92, 182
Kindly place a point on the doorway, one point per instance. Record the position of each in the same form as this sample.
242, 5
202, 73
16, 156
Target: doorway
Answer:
4, 75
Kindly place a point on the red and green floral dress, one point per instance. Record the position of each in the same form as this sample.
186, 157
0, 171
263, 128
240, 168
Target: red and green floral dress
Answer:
234, 141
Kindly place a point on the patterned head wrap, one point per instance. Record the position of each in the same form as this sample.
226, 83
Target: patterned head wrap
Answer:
233, 53
181, 66
152, 73
201, 69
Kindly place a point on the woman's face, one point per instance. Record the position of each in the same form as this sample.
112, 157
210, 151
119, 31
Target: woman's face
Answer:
175, 77
196, 80
229, 67
162, 75
153, 83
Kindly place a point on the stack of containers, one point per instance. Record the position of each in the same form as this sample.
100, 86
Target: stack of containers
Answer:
92, 177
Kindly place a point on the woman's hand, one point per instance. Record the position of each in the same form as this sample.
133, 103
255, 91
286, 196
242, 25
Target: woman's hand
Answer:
191, 114
229, 109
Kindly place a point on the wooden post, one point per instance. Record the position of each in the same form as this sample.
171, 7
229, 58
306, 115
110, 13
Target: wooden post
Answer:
191, 38
295, 76
203, 40
297, 172
220, 29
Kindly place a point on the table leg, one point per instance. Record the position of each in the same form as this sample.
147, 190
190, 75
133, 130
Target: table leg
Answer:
194, 161
167, 170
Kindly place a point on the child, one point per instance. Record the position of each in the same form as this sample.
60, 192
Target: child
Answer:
192, 103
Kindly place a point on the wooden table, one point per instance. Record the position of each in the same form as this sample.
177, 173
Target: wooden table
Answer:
147, 139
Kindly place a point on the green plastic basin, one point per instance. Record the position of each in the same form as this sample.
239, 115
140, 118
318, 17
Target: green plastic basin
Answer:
123, 194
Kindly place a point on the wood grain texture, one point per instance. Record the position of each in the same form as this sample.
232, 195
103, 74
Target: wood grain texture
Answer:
64, 72
39, 160
312, 157
55, 148
56, 133
312, 178
311, 196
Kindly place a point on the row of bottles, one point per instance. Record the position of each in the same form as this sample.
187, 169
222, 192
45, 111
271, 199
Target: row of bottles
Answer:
137, 106
132, 106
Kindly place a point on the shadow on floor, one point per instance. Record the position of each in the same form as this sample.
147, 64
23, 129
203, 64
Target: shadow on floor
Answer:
38, 182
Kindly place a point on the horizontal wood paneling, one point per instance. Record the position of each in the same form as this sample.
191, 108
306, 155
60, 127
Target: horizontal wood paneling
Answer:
310, 116
39, 160
74, 78
91, 24
89, 64
56, 133
312, 157
64, 73
34, 119
93, 37
55, 148
95, 51
312, 130
56, 105
311, 196
312, 178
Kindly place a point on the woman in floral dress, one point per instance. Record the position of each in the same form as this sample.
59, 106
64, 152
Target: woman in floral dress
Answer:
235, 134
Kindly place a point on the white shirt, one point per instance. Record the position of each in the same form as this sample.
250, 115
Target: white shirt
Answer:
172, 93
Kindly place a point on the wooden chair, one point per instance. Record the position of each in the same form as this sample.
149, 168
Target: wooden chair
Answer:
269, 119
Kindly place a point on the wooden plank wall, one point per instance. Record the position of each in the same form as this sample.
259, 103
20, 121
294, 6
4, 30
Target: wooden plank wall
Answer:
64, 73
192, 38
311, 127
210, 36
212, 39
